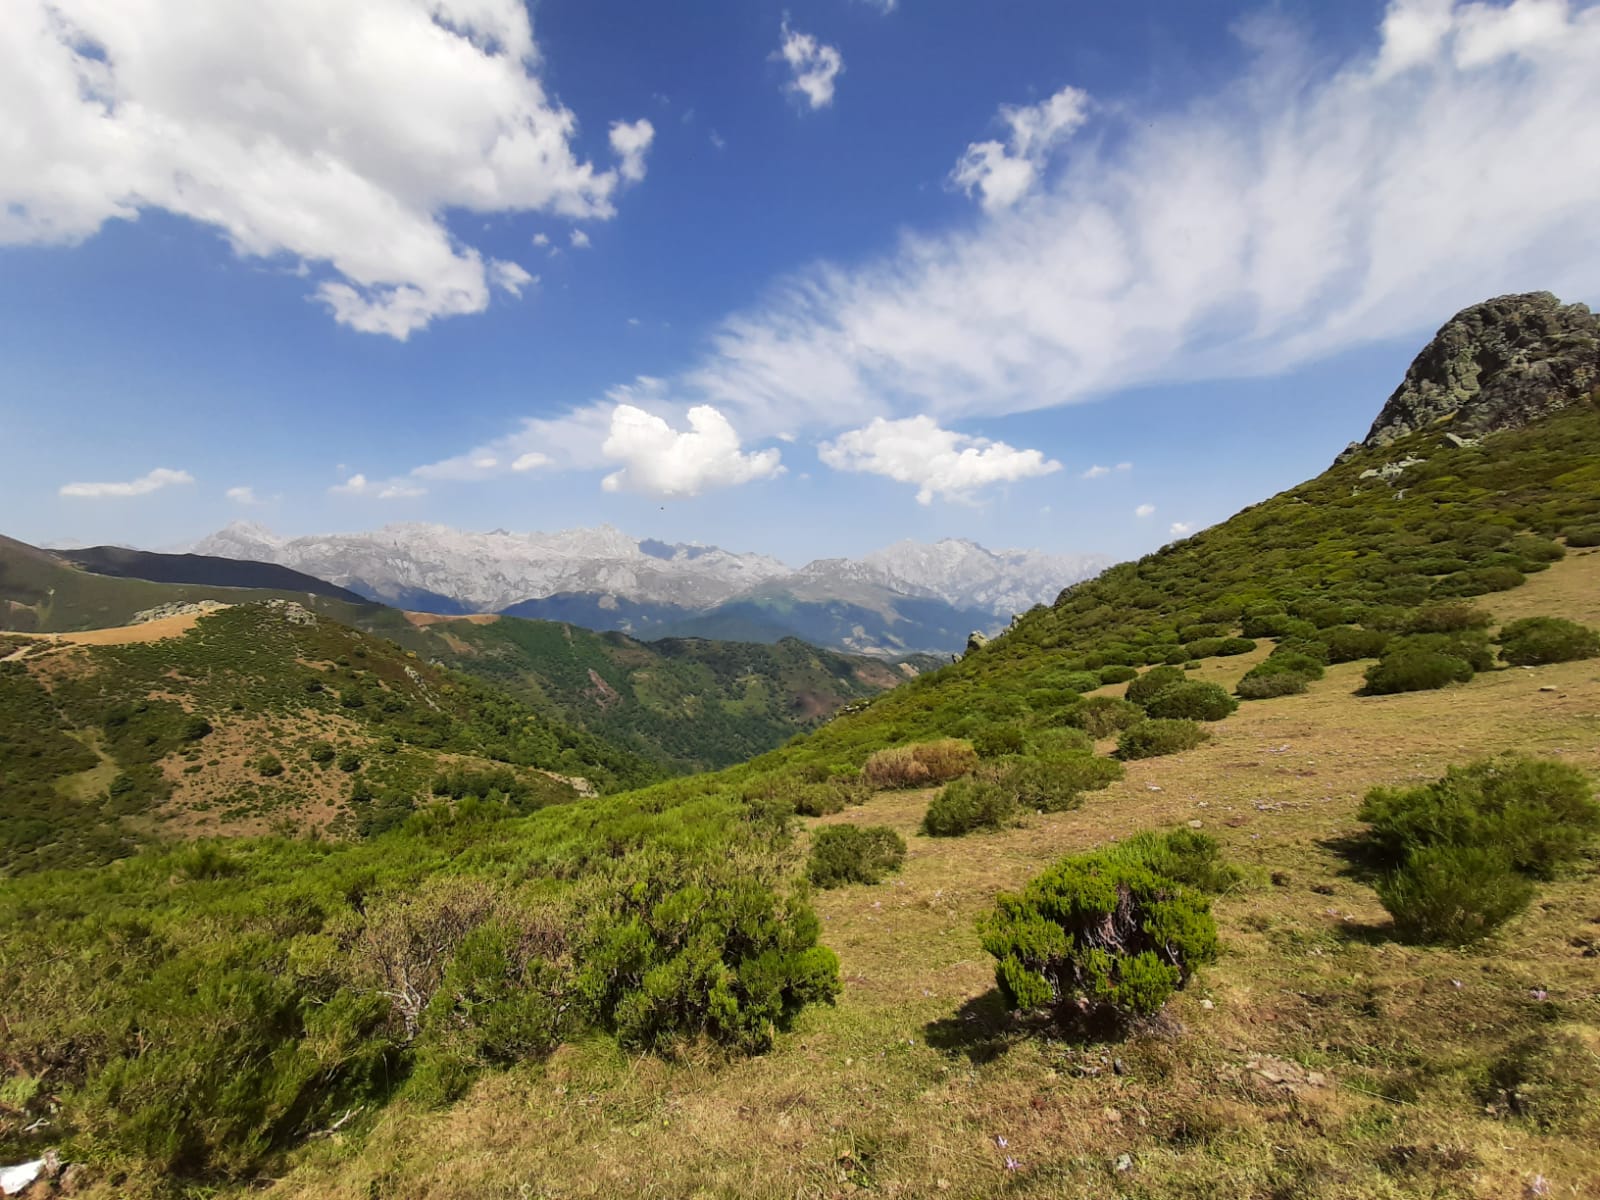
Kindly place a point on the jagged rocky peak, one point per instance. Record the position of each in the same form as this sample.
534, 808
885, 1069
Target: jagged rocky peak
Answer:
1496, 365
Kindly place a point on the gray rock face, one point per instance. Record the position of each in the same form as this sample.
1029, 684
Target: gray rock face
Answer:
1496, 365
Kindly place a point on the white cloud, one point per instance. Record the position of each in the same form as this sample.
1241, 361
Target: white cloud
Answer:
154, 481
659, 460
718, 141
1145, 510
884, 6
580, 240
1097, 472
541, 239
336, 136
1124, 466
394, 489
813, 66
1181, 528
939, 461
509, 276
242, 495
1001, 173
530, 461
1305, 209
630, 143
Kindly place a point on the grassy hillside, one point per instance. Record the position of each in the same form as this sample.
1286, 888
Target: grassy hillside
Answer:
41, 593
252, 718
457, 1008
1363, 544
687, 703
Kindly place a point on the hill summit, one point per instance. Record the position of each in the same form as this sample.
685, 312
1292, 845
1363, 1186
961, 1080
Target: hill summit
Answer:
1496, 365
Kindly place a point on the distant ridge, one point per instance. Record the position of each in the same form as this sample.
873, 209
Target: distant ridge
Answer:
204, 569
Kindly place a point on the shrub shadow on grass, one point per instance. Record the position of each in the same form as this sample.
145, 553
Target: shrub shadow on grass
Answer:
982, 1029
1361, 857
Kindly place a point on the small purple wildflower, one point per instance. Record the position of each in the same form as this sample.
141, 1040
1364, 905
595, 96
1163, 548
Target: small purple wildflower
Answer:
1013, 1165
1539, 994
1000, 1141
1539, 1187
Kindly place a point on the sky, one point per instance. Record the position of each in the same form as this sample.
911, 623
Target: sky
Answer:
801, 278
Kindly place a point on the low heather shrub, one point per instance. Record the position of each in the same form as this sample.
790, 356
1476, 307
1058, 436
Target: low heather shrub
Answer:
1535, 641
1153, 738
1194, 700
921, 765
843, 854
969, 804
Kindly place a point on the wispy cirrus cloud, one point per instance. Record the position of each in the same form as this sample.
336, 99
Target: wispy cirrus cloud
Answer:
153, 481
1303, 209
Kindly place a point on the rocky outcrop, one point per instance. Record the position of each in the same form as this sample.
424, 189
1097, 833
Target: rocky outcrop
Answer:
1496, 365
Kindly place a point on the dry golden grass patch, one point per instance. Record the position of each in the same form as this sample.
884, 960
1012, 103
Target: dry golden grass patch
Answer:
1317, 1060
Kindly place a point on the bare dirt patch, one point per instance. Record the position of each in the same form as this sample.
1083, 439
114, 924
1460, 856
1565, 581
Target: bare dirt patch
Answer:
422, 619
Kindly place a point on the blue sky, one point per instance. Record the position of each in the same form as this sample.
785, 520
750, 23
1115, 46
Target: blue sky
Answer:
849, 271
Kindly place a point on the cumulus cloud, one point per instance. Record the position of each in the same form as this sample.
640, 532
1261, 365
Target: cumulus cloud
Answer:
659, 460
580, 240
1145, 510
630, 143
813, 66
394, 489
1181, 528
242, 495
531, 461
1097, 472
335, 136
939, 461
1001, 173
153, 482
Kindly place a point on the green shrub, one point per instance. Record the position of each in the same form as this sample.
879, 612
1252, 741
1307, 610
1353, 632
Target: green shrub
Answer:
1056, 783
1539, 814
1533, 549
1291, 662
1235, 645
1255, 686
1448, 616
1207, 647
1172, 655
1308, 648
196, 727
1099, 932
1101, 716
921, 765
1153, 738
1208, 629
993, 741
969, 804
1191, 666
1154, 681
1049, 742
320, 752
1265, 625
1195, 700
1453, 894
1081, 681
349, 762
1535, 641
843, 854
1414, 669
267, 765
1185, 855
1117, 674
1348, 643
1480, 581
1582, 536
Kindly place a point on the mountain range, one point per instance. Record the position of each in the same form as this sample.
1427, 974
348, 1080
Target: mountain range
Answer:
907, 598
